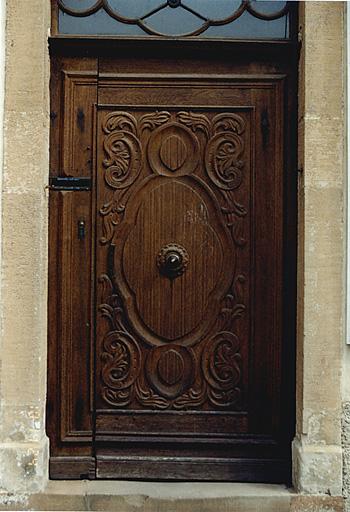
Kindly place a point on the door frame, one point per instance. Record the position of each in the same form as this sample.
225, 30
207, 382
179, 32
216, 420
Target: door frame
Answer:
81, 465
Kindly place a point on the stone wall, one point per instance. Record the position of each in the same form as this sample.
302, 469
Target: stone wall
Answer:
321, 290
23, 443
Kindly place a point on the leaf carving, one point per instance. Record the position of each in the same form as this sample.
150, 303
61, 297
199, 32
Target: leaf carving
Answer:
229, 122
154, 119
195, 121
150, 398
119, 121
112, 214
123, 162
221, 364
224, 151
194, 397
233, 306
116, 398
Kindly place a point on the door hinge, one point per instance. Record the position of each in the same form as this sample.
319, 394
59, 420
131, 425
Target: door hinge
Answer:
69, 183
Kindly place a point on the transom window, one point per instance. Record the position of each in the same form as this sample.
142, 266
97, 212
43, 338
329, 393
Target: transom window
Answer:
228, 19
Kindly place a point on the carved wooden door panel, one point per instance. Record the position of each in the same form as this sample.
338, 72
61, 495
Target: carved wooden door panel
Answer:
189, 236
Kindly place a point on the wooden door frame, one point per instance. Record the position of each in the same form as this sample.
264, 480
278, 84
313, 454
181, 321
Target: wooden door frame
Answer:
81, 465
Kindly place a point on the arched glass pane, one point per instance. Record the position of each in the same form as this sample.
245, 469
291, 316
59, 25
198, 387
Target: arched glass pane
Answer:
134, 8
231, 19
267, 7
174, 22
99, 23
79, 5
213, 9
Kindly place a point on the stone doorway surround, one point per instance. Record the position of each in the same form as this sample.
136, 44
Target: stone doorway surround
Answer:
322, 358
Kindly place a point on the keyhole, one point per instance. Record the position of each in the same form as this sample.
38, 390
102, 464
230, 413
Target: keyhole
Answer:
81, 229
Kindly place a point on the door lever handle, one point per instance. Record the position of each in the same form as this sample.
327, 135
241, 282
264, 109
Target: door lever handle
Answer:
81, 229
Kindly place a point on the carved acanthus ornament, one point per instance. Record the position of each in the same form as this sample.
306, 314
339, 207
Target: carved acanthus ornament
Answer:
122, 365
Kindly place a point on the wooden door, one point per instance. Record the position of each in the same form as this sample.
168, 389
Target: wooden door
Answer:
189, 252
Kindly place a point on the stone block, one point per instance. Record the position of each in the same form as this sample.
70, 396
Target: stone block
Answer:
317, 469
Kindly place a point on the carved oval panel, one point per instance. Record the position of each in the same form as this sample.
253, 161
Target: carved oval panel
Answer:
170, 369
173, 150
184, 213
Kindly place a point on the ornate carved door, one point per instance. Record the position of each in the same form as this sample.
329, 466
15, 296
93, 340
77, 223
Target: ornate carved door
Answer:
189, 178
172, 264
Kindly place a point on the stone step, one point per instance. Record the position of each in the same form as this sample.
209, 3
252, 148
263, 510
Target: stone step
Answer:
168, 497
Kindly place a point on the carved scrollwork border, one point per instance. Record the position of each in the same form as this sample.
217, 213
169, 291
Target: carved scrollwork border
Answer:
220, 360
221, 364
123, 160
122, 365
224, 158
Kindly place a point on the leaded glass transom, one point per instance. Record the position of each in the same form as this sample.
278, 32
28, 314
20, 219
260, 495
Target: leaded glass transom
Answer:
232, 19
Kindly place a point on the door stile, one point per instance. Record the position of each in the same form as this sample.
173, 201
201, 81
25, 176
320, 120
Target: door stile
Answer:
70, 264
289, 291
94, 242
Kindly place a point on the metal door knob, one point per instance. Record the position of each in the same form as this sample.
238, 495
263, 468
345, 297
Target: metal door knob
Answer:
172, 260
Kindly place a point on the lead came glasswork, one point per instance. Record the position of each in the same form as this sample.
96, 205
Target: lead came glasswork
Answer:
232, 19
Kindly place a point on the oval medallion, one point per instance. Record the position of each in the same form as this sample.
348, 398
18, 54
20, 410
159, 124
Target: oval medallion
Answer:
173, 152
170, 369
186, 221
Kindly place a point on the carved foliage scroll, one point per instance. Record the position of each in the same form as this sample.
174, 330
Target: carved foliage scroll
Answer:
121, 356
123, 160
221, 368
170, 369
224, 160
170, 154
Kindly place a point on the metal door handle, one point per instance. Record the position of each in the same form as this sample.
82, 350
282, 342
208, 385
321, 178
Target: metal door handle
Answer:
172, 260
